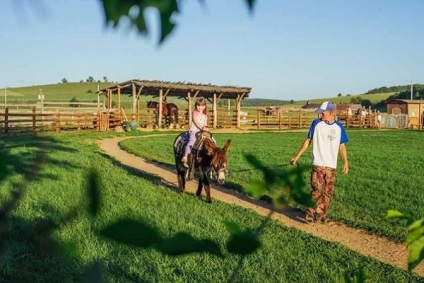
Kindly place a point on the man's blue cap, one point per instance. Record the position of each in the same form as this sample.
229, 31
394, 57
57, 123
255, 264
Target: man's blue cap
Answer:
325, 106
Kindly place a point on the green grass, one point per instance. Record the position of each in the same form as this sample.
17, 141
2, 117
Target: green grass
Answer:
50, 236
385, 171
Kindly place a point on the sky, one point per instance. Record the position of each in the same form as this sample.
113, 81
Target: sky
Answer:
285, 49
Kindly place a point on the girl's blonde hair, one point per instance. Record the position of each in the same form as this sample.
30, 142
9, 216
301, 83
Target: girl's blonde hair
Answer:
201, 101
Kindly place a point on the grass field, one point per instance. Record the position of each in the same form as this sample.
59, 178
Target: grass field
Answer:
385, 171
53, 229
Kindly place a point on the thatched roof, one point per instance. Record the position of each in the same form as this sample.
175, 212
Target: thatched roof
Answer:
177, 89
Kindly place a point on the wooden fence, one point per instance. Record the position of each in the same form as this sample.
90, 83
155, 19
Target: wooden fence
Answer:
33, 122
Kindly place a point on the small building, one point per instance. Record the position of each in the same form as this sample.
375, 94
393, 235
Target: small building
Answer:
413, 108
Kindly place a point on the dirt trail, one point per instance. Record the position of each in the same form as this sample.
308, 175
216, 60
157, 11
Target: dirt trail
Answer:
360, 241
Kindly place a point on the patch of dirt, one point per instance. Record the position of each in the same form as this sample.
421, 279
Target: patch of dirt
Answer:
357, 240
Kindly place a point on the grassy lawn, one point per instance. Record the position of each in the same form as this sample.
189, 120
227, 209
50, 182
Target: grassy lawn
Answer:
385, 171
53, 229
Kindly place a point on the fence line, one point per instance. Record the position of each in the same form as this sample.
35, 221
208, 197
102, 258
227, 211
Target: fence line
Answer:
33, 122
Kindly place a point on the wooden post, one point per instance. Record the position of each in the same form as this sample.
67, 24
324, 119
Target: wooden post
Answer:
189, 108
134, 97
119, 98
160, 108
259, 120
300, 121
279, 120
57, 121
215, 112
6, 120
78, 121
98, 120
34, 119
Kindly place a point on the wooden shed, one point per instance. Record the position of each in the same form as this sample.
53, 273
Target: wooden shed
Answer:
413, 108
187, 91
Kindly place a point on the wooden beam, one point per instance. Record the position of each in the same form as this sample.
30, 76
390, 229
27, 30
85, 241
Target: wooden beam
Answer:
119, 98
165, 94
238, 99
189, 108
160, 108
215, 112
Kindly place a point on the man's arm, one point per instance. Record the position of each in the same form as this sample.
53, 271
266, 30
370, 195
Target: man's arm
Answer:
343, 154
302, 149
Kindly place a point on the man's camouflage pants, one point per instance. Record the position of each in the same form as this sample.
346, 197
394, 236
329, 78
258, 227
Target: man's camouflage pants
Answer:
322, 183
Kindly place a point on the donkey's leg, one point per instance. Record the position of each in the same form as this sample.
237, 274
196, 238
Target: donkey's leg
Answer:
181, 180
207, 187
200, 184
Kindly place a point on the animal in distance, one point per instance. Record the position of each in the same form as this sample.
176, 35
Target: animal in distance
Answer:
168, 110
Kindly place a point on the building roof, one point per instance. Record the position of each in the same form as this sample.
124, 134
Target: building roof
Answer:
406, 101
178, 89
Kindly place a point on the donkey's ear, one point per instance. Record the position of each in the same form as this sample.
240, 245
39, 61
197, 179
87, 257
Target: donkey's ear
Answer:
227, 145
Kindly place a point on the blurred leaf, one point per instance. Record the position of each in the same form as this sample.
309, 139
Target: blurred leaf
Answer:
250, 4
256, 189
134, 10
396, 214
416, 224
183, 243
416, 253
243, 243
132, 233
281, 184
415, 234
93, 192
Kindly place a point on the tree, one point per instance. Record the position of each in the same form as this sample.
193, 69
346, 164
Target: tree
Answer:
339, 95
105, 79
64, 80
90, 79
167, 9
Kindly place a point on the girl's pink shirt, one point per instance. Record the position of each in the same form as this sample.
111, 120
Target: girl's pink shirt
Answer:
200, 118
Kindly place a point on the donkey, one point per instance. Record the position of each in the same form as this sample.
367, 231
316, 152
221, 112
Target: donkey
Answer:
205, 156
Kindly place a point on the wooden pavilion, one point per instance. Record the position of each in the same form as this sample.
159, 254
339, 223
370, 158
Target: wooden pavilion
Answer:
187, 91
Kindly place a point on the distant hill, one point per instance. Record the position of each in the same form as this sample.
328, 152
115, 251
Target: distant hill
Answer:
265, 102
400, 88
85, 91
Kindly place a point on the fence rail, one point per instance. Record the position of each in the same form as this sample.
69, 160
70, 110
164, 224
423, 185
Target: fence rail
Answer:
33, 122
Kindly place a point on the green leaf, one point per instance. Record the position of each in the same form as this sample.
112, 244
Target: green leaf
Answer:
394, 214
416, 224
132, 233
415, 234
256, 189
416, 253
243, 243
183, 243
114, 10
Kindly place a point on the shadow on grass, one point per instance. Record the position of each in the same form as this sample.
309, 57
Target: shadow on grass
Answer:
28, 251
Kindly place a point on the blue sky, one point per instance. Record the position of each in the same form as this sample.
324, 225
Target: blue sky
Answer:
287, 49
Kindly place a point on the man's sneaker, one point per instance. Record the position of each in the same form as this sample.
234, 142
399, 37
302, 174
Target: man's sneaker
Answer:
309, 219
326, 220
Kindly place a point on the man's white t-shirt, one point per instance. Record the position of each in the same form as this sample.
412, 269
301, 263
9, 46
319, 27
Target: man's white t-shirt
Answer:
326, 140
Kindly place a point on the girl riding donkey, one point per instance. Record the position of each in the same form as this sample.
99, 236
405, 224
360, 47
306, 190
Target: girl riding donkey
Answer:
199, 122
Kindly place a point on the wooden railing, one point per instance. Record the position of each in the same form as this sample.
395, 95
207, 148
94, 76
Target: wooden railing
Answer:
33, 121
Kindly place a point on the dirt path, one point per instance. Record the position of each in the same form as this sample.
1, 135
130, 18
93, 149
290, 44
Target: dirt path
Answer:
360, 241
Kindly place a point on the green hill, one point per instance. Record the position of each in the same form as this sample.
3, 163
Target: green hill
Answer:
85, 91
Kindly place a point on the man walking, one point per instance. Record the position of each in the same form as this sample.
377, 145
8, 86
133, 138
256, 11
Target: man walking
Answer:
328, 138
